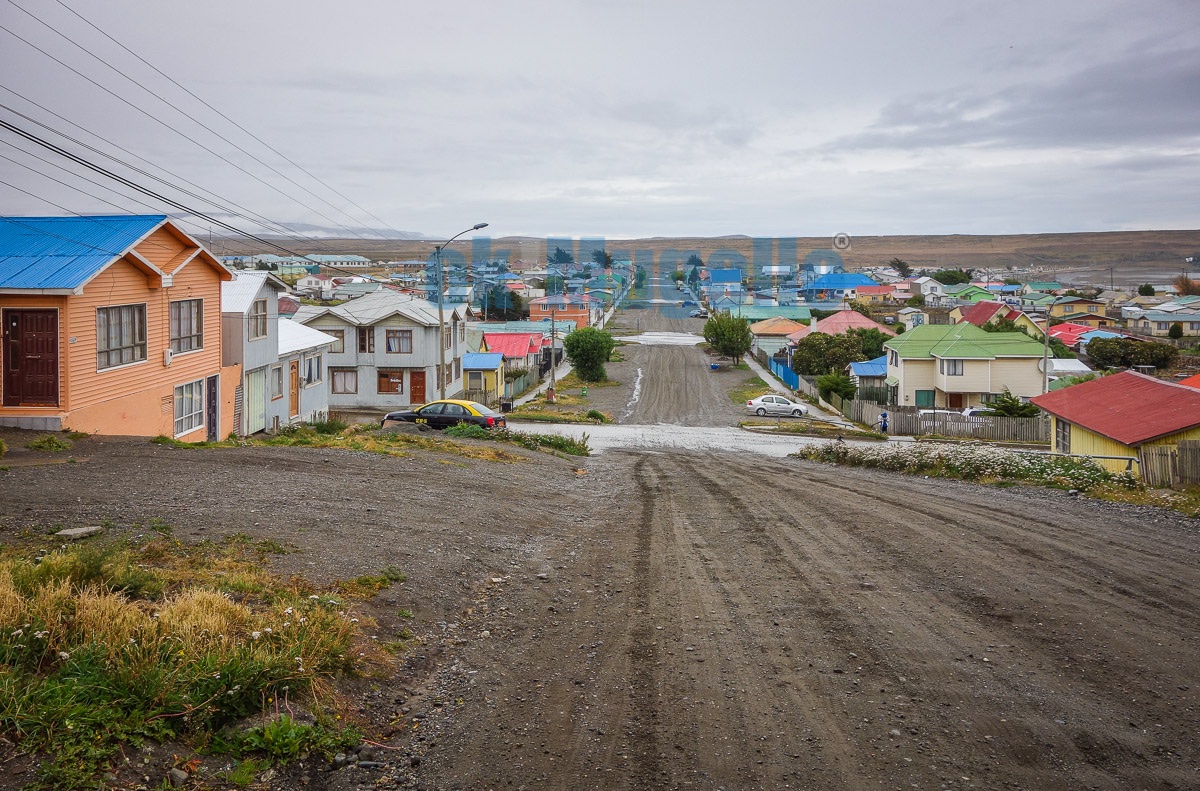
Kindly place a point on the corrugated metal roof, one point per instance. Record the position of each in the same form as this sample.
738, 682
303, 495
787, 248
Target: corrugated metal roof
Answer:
65, 252
238, 295
377, 306
482, 361
845, 320
294, 337
513, 344
1129, 407
870, 368
962, 341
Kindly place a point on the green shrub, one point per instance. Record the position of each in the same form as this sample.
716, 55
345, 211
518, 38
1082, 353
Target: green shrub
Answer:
3, 449
329, 426
596, 415
48, 442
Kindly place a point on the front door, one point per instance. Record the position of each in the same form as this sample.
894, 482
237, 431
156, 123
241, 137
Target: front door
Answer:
954, 400
30, 357
416, 387
294, 388
212, 391
256, 401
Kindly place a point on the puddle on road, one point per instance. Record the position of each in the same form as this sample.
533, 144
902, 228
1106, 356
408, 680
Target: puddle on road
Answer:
602, 438
663, 339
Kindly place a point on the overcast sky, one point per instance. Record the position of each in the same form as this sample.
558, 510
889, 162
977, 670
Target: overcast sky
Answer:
618, 119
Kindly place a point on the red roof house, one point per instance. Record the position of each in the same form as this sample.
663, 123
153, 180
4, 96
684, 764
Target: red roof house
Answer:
1115, 415
845, 320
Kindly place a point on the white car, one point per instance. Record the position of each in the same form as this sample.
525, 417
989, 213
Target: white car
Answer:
772, 404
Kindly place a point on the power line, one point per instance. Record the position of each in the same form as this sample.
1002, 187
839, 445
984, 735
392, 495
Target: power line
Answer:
173, 129
267, 145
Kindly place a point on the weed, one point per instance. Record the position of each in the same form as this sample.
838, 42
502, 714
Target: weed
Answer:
245, 771
329, 426
3, 448
598, 416
368, 585
77, 435
48, 442
405, 614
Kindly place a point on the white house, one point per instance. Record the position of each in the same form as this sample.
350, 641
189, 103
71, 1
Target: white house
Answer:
386, 351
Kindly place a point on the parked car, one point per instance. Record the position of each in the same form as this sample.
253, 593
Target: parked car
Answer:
977, 411
686, 303
772, 404
699, 313
447, 412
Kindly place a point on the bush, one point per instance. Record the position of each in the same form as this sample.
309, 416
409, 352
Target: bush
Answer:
3, 449
48, 442
330, 426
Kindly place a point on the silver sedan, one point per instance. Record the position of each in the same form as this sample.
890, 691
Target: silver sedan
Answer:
772, 404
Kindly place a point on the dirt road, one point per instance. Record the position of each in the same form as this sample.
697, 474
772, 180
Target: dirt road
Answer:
650, 619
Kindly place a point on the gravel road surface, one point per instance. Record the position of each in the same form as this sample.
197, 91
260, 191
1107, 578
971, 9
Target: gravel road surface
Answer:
673, 618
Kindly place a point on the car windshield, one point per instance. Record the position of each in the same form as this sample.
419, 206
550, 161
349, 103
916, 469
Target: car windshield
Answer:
483, 410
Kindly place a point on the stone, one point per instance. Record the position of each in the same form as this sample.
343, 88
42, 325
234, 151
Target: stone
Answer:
76, 533
178, 778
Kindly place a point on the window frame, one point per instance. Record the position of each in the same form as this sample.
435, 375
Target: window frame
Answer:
1062, 435
175, 326
139, 325
190, 421
955, 367
338, 378
400, 336
277, 382
475, 380
310, 370
256, 320
386, 374
366, 340
339, 346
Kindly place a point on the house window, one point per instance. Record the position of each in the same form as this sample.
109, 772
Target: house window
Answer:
924, 397
954, 367
893, 357
187, 325
312, 369
339, 345
1062, 435
474, 380
276, 381
366, 340
446, 336
391, 380
462, 331
345, 380
120, 335
457, 368
258, 319
1162, 325
189, 407
399, 341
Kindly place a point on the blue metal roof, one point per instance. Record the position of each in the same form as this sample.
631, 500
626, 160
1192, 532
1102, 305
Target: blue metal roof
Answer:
871, 368
482, 361
65, 252
839, 280
725, 276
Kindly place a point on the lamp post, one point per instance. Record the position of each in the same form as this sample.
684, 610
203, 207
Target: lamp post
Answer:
441, 299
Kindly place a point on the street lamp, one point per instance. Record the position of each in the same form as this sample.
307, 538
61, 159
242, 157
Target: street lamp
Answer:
441, 298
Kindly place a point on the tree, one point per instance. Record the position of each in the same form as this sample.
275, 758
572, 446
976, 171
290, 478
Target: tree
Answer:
1008, 405
588, 350
903, 268
502, 304
677, 275
556, 284
915, 301
835, 382
818, 353
859, 307
694, 261
694, 276
639, 277
950, 277
1176, 331
1146, 290
560, 256
1115, 352
728, 336
1185, 286
872, 341
603, 258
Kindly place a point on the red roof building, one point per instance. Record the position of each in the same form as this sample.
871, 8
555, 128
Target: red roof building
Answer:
845, 320
1129, 409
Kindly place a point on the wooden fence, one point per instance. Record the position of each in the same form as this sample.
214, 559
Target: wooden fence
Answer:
906, 421
1170, 465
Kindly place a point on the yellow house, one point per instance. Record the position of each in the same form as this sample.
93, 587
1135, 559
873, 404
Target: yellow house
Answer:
1070, 306
1120, 414
483, 377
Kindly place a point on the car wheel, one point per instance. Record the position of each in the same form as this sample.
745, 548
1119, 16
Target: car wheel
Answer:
760, 411
797, 413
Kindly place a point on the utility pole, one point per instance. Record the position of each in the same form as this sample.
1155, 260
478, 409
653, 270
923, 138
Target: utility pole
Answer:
1046, 354
550, 394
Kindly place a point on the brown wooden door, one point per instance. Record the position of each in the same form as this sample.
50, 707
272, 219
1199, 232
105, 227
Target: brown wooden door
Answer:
416, 387
954, 400
294, 388
30, 357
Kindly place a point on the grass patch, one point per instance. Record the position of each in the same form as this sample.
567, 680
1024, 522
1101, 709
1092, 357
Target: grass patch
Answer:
132, 641
751, 388
3, 448
369, 585
531, 441
48, 442
808, 427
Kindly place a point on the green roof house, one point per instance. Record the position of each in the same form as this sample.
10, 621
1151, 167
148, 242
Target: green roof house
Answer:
953, 366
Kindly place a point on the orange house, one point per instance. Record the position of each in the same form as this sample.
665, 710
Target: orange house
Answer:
579, 308
112, 325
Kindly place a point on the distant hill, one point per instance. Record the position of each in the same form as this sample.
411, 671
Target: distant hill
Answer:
1133, 256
